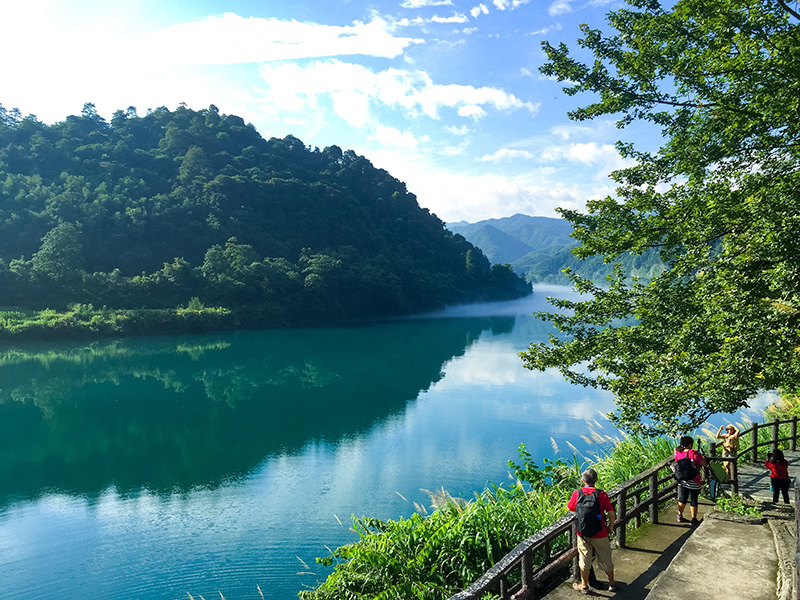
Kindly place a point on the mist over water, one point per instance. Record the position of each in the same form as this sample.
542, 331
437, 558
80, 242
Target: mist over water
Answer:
161, 467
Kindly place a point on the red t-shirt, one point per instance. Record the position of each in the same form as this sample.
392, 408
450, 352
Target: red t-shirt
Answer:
605, 506
778, 470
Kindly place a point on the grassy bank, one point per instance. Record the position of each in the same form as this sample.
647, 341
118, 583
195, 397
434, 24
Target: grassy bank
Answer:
83, 321
433, 556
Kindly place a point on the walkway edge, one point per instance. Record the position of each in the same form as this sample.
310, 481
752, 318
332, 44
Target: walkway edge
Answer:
784, 546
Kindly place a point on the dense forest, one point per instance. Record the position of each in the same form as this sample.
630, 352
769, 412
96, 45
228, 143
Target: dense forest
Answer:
190, 209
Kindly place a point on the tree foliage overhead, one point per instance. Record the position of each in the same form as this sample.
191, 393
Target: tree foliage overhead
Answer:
719, 200
152, 211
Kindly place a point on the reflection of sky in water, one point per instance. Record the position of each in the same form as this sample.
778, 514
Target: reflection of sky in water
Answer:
260, 528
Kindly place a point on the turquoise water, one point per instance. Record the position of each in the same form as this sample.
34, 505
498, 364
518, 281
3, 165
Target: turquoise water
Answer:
161, 468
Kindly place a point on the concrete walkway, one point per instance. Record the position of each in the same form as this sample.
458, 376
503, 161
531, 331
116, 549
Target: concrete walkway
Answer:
727, 557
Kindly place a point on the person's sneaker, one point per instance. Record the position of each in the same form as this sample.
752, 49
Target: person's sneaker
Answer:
694, 523
682, 519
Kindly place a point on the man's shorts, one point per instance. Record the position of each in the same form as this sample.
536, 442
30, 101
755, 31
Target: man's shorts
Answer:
598, 546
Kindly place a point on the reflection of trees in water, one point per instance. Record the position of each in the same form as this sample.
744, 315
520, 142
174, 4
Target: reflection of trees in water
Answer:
166, 415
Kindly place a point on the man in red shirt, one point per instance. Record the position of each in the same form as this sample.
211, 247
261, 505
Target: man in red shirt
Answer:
593, 539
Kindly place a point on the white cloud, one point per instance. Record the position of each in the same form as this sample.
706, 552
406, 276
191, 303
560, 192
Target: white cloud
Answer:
602, 156
476, 11
391, 137
231, 39
463, 130
596, 130
545, 30
406, 22
456, 18
471, 110
506, 4
559, 7
424, 3
470, 195
504, 155
354, 90
452, 151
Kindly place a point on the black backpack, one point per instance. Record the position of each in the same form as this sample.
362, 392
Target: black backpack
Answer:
685, 469
589, 514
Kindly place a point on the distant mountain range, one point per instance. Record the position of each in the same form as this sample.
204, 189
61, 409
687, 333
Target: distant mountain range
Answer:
539, 249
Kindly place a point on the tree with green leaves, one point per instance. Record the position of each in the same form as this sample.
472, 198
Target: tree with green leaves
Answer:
60, 255
719, 200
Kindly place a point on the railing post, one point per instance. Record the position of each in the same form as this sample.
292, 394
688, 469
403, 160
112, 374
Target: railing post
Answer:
775, 435
573, 534
622, 509
527, 569
712, 449
735, 474
754, 443
793, 434
654, 497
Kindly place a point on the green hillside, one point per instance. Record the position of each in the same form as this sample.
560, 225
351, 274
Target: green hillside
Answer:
510, 238
176, 206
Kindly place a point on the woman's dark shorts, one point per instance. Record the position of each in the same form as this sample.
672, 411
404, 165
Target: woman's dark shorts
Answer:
686, 495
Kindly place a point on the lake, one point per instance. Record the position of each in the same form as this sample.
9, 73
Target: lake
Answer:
164, 467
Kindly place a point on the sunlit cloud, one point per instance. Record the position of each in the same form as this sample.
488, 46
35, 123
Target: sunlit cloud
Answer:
589, 153
545, 30
391, 137
463, 130
480, 9
424, 3
354, 90
231, 39
509, 4
472, 195
504, 155
457, 18
599, 129
452, 151
559, 7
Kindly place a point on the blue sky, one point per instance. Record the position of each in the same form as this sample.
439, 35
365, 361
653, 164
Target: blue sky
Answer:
444, 94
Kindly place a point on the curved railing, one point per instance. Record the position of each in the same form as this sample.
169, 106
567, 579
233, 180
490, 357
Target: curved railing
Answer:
533, 563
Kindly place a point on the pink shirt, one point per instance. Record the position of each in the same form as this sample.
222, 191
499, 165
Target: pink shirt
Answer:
605, 506
697, 461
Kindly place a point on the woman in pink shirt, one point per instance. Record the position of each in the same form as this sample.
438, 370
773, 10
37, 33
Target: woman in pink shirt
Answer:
688, 472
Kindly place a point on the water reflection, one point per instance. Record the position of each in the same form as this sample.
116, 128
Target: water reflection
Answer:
187, 412
156, 468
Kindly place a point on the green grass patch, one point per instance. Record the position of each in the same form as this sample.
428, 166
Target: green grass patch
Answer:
735, 504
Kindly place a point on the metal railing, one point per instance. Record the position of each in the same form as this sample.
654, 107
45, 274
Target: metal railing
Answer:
534, 562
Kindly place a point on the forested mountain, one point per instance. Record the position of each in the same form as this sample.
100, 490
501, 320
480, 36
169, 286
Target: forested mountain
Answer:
154, 211
539, 248
510, 238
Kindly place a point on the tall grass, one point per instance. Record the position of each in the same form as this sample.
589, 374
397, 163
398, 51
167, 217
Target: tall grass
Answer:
431, 557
